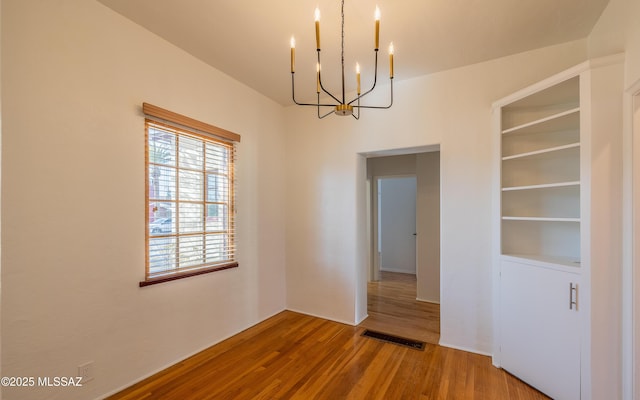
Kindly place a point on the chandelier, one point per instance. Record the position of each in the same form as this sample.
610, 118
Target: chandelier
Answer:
339, 105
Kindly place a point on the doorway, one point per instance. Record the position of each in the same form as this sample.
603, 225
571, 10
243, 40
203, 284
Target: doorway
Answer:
403, 280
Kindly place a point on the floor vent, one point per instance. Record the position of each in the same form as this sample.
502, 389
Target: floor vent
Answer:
414, 344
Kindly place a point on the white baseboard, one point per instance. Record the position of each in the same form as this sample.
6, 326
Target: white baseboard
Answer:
323, 317
428, 301
357, 322
468, 350
402, 271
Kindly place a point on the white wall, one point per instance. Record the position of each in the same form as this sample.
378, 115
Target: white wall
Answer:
398, 165
74, 76
617, 30
428, 217
606, 230
608, 36
326, 238
632, 45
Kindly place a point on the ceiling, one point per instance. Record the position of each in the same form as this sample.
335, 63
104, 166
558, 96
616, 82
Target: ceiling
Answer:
249, 39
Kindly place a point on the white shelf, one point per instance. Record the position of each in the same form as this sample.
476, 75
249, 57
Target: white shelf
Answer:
555, 117
543, 186
540, 166
556, 91
543, 168
543, 219
568, 264
543, 151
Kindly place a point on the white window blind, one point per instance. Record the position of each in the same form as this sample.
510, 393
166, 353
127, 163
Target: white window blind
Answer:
190, 201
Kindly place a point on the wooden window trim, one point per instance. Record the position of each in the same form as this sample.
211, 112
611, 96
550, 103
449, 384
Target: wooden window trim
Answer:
170, 116
180, 123
187, 274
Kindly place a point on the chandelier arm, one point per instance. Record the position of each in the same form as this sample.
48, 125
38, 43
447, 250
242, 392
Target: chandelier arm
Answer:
379, 107
357, 117
375, 80
293, 94
322, 86
329, 93
325, 115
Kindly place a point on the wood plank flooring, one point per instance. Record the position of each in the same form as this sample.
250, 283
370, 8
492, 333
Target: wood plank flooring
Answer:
295, 356
393, 308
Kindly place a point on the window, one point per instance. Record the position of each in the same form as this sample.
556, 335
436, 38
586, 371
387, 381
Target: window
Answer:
189, 198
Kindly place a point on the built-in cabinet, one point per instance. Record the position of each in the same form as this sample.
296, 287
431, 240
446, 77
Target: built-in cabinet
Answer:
557, 224
541, 331
542, 167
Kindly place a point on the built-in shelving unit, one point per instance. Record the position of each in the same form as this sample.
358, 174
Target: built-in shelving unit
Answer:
556, 188
540, 226
540, 175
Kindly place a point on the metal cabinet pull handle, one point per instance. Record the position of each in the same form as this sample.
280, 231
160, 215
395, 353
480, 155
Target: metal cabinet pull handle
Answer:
573, 296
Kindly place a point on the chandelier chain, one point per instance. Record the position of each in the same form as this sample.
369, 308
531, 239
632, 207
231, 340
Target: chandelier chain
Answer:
342, 32
342, 55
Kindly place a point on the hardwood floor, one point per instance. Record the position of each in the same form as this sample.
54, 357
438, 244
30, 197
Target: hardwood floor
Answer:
393, 308
295, 356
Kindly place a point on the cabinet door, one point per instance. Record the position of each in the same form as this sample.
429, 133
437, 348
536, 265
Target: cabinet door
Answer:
540, 333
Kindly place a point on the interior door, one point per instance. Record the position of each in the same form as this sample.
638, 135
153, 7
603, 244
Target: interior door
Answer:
539, 327
397, 224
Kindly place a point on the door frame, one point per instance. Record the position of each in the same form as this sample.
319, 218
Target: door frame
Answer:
630, 256
365, 233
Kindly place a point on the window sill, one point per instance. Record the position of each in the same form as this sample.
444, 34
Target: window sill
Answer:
187, 274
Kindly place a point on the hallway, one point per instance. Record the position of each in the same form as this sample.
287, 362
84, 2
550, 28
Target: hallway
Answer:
393, 309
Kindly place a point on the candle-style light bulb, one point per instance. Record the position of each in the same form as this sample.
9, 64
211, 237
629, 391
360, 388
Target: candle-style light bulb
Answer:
377, 17
293, 54
317, 17
358, 77
391, 60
